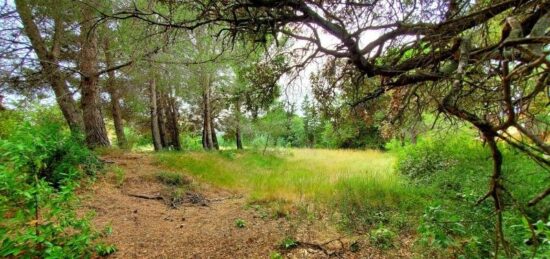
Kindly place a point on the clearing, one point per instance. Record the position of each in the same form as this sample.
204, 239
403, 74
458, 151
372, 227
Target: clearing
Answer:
237, 204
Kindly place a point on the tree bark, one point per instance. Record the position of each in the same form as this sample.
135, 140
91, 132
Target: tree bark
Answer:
50, 64
115, 99
207, 122
172, 121
94, 125
213, 131
154, 115
203, 139
238, 138
161, 119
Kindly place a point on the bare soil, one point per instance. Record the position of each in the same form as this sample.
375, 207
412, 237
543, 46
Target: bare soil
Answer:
150, 228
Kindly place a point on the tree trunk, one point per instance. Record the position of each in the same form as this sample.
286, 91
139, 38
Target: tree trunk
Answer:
207, 125
161, 119
238, 139
203, 139
172, 121
50, 64
154, 115
115, 100
214, 137
94, 126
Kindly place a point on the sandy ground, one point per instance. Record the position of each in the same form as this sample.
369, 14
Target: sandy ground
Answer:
148, 228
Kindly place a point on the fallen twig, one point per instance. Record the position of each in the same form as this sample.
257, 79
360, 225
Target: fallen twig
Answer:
146, 196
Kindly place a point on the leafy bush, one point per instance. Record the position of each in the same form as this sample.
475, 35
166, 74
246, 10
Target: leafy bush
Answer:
39, 169
455, 169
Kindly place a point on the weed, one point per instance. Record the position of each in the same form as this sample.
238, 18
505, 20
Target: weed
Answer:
174, 196
105, 250
119, 174
382, 238
171, 178
240, 223
354, 247
288, 243
276, 255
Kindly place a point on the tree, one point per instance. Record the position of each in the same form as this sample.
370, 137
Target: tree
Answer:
114, 95
49, 57
94, 125
312, 122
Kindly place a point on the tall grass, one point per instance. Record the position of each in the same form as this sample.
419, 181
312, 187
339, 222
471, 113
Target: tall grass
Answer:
358, 184
298, 174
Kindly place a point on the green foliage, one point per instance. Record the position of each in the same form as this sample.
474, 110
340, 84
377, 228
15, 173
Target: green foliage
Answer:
191, 142
276, 255
438, 226
424, 159
382, 238
105, 250
40, 166
171, 178
134, 139
10, 119
365, 201
240, 223
288, 243
521, 233
455, 170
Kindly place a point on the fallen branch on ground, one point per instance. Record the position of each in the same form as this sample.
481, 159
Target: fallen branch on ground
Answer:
146, 196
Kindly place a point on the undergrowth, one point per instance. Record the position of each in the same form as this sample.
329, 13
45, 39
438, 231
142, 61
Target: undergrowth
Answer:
41, 165
455, 169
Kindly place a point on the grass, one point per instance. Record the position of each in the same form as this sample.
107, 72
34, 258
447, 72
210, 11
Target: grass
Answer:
171, 178
361, 184
296, 175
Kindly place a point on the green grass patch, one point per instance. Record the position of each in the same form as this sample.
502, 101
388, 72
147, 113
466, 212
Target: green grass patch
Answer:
171, 178
361, 185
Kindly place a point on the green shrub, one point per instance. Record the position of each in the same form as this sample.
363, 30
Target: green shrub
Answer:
456, 170
173, 179
39, 170
382, 238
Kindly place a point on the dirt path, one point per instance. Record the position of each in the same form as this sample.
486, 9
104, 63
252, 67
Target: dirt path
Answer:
146, 228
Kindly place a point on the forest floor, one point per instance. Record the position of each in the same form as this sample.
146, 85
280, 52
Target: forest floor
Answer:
144, 226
